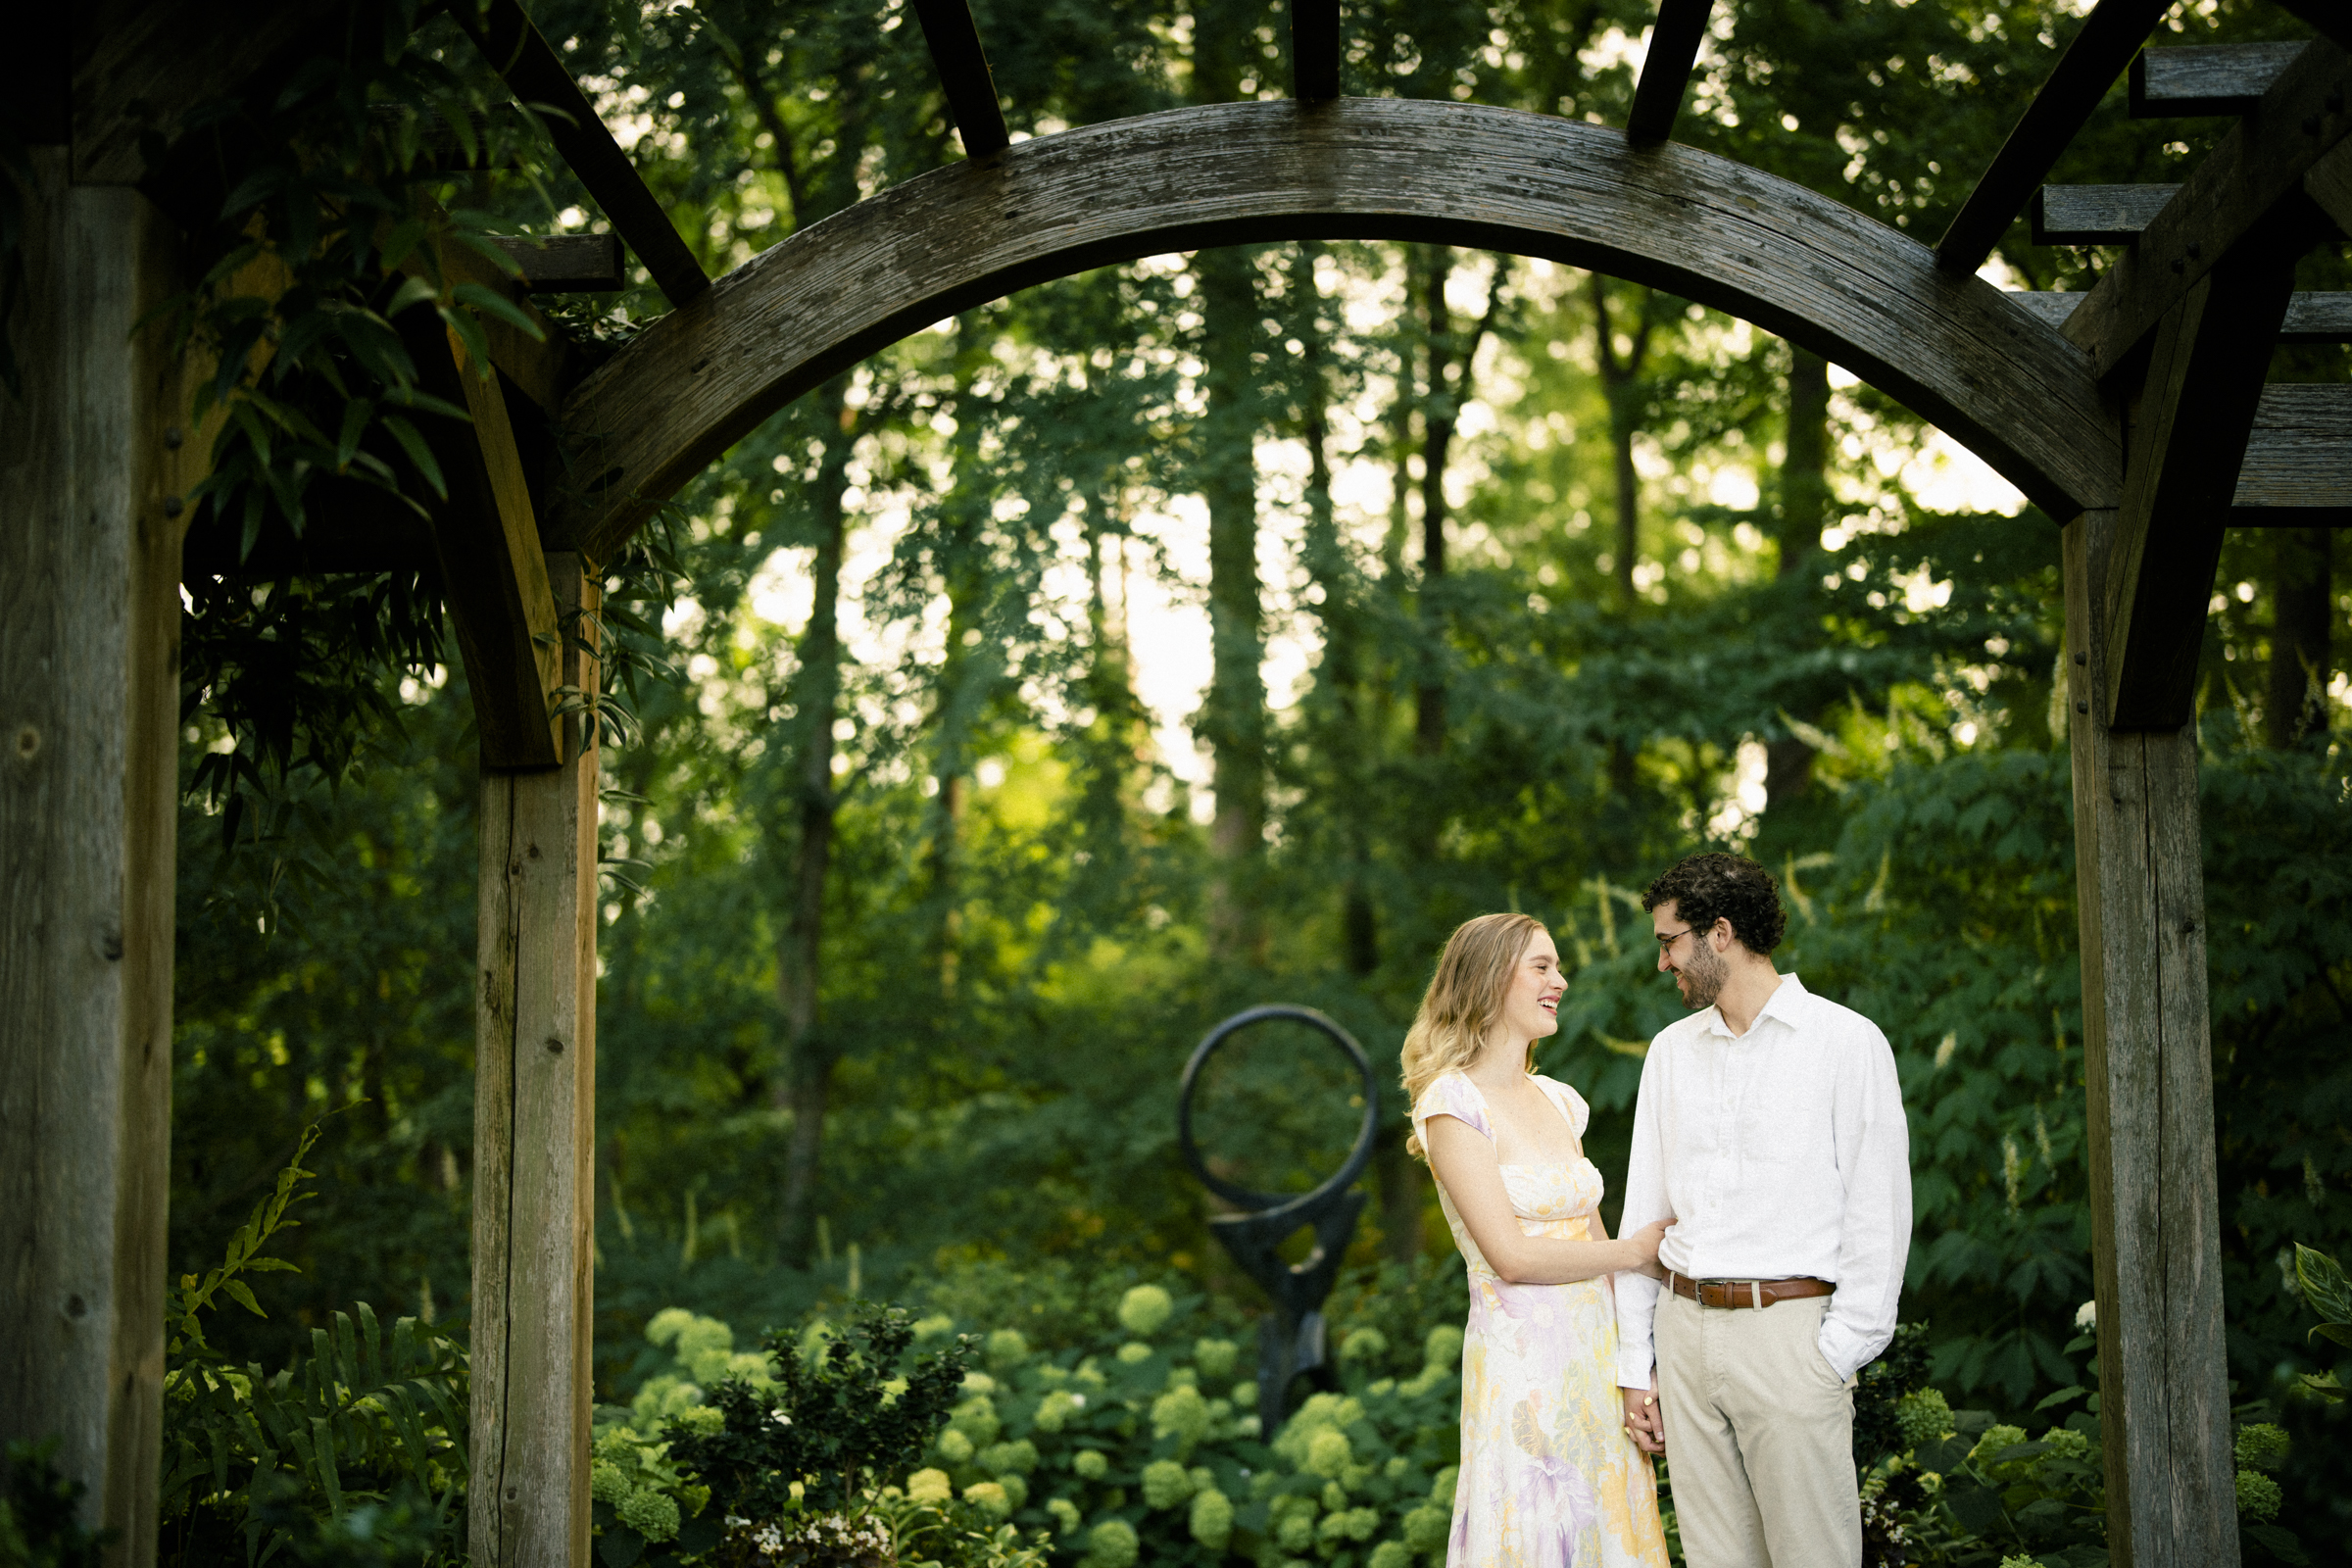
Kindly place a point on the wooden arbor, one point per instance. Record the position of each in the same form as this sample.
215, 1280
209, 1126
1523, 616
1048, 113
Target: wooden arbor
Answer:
2136, 412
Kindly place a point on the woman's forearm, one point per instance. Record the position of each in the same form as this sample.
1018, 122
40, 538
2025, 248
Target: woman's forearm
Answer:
1541, 1260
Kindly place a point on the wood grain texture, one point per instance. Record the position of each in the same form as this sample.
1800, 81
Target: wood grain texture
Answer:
568, 263
2311, 317
534, 1134
2298, 460
515, 48
2190, 424
2098, 53
2096, 215
1666, 66
2227, 78
2229, 197
89, 628
493, 576
961, 62
1799, 265
544, 366
2155, 1238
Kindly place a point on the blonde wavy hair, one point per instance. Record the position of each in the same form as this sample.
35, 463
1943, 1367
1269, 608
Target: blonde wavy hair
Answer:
1463, 1000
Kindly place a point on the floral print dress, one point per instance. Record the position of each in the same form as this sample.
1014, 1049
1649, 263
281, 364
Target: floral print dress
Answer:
1548, 1477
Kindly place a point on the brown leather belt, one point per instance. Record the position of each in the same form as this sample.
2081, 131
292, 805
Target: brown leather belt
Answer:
1745, 1292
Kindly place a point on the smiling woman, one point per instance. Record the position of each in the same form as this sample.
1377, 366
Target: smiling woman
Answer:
1547, 1473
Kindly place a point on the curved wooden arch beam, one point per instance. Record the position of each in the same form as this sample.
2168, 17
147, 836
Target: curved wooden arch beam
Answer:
1849, 289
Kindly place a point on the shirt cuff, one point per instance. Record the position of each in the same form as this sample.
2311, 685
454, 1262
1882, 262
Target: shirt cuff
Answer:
1845, 1350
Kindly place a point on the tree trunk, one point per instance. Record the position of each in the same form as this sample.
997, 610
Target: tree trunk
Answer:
1620, 381
2304, 615
1804, 513
809, 1056
1440, 410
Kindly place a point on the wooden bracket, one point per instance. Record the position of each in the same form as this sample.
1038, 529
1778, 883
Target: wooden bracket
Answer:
567, 263
2229, 197
1314, 50
2227, 78
1674, 40
2186, 440
493, 576
963, 75
2297, 472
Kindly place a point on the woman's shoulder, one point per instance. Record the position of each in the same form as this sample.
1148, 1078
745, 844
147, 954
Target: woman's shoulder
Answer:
1579, 1113
1452, 1094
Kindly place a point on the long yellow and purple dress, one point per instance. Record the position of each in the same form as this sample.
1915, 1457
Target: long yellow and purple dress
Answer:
1549, 1479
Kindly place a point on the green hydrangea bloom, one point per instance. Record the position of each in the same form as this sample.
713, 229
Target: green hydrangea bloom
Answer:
1360, 1523
1995, 1439
655, 1515
2019, 1560
2066, 1444
1165, 1484
1328, 1452
1395, 1468
1243, 1395
938, 1326
1113, 1543
1296, 1533
1009, 1458
1055, 1410
1389, 1555
979, 1382
606, 1481
954, 1446
1090, 1463
1924, 1415
1005, 1348
2258, 1497
1443, 1348
1335, 1496
1065, 1515
1364, 1344
1015, 1488
1441, 1489
990, 1498
702, 1419
1212, 1518
2261, 1446
976, 1418
1215, 1357
1333, 1528
1144, 1309
930, 1486
1134, 1351
1425, 1528
1181, 1413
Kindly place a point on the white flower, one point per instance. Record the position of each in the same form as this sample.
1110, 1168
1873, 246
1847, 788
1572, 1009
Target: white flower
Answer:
782, 1419
1078, 1399
2086, 1316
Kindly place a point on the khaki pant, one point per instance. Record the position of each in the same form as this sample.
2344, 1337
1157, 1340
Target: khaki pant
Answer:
1759, 1437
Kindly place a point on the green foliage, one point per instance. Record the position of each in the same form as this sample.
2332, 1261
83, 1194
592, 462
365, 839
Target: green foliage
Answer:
40, 1512
2323, 1286
354, 1455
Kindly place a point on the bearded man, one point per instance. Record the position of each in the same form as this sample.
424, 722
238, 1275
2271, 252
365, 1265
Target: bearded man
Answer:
1770, 1128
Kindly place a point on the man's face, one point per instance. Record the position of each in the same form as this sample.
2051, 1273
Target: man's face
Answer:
1688, 955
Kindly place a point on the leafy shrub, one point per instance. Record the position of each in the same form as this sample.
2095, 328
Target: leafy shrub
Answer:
40, 1512
356, 1455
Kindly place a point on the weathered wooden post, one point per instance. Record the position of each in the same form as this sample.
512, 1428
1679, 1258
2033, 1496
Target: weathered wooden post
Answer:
92, 466
2155, 1194
534, 1133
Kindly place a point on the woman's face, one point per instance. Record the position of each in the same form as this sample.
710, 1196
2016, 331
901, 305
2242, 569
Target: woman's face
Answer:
1531, 1001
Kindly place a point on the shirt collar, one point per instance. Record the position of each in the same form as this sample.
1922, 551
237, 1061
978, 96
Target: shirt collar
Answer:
1787, 1003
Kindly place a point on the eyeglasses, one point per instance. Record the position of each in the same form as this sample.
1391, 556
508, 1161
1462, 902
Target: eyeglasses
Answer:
1667, 938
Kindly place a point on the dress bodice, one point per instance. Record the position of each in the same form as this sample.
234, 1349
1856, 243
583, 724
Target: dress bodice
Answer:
1554, 1198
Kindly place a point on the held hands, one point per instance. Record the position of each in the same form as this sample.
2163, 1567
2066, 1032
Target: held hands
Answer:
1644, 1243
1645, 1417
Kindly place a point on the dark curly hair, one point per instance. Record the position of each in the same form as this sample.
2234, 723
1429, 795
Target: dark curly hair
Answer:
1707, 888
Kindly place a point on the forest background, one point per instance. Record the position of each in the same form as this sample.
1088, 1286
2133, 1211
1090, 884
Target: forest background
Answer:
1222, 629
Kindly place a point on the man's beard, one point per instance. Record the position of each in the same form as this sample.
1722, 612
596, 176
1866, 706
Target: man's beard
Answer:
1704, 974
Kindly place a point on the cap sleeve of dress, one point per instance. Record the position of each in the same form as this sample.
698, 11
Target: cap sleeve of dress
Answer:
1452, 1094
1580, 1115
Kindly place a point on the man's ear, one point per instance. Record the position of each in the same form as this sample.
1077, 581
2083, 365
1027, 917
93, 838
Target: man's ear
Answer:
1723, 928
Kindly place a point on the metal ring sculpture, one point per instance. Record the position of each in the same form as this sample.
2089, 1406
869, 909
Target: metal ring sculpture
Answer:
1290, 1339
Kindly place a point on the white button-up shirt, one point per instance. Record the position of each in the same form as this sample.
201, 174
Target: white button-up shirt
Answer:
1780, 1154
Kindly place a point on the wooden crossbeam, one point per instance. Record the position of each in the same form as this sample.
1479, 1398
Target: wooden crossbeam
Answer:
2101, 48
493, 574
2226, 79
1314, 50
2225, 200
567, 263
963, 75
2096, 215
2297, 472
2311, 318
2189, 434
536, 73
1674, 40
542, 367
